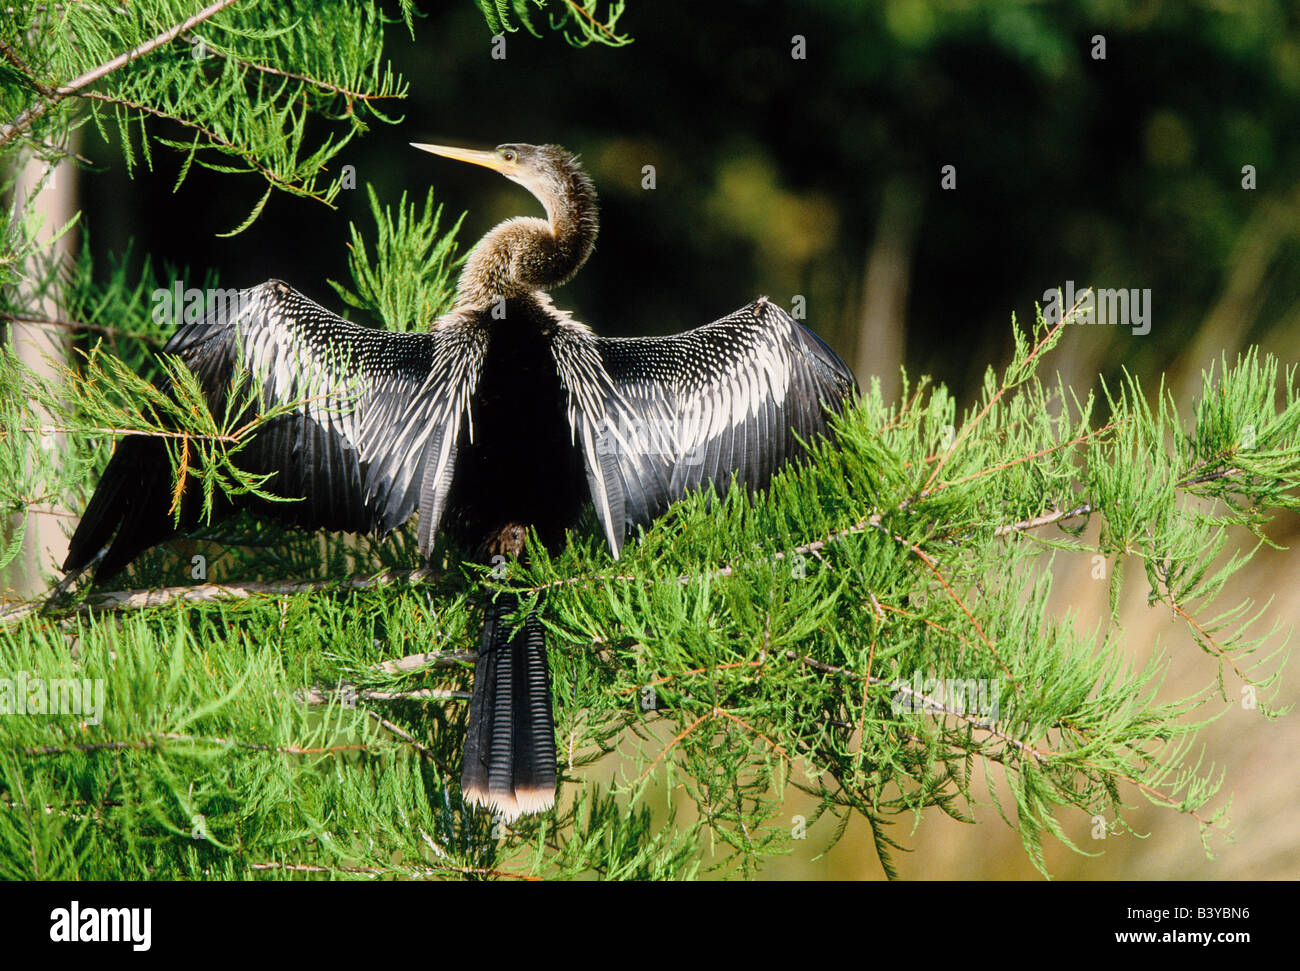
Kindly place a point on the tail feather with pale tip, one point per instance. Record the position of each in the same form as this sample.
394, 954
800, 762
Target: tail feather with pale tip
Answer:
510, 742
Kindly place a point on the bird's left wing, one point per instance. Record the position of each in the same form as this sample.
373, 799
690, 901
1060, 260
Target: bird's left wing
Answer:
658, 416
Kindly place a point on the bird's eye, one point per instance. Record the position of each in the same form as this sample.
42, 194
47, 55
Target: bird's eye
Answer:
509, 155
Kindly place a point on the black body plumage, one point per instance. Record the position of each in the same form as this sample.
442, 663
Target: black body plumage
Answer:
506, 415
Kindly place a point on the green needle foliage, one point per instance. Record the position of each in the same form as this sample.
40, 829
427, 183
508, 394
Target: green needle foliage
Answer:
309, 720
240, 84
581, 22
409, 283
784, 640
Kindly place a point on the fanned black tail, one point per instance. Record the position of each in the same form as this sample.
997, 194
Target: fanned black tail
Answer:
510, 741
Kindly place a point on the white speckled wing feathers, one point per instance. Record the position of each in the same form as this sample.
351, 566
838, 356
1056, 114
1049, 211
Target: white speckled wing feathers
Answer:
376, 417
658, 416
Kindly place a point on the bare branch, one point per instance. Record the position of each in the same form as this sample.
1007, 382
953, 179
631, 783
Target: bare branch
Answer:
210, 592
414, 662
321, 696
29, 115
79, 325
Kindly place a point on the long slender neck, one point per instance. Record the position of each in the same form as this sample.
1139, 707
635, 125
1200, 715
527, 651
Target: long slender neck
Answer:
526, 254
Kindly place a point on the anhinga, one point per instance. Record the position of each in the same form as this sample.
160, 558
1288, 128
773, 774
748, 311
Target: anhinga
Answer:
507, 414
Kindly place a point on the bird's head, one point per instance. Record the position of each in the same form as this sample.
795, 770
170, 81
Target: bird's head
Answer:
525, 254
549, 172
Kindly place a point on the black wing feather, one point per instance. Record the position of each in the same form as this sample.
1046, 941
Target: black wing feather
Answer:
657, 417
370, 436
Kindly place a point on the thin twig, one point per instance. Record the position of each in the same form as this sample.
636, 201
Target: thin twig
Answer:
997, 396
1029, 458
927, 702
144, 432
321, 696
1046, 519
404, 735
1207, 477
14, 58
80, 325
414, 662
211, 592
579, 9
970, 615
75, 86
1210, 643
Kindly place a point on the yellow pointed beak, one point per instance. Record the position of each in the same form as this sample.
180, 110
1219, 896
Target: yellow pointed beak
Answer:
490, 160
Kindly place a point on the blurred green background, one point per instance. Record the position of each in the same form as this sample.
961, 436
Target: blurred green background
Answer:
820, 177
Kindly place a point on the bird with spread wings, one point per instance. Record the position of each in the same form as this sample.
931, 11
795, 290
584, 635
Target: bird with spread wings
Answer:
506, 415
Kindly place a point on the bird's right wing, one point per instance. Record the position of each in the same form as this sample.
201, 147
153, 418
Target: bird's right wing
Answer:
656, 417
370, 435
